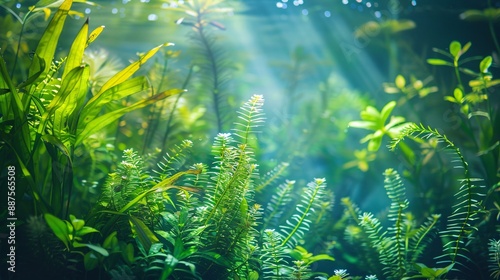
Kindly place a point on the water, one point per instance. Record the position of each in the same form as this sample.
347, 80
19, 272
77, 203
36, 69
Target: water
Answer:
314, 140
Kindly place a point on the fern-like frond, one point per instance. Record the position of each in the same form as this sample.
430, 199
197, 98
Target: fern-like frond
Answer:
465, 210
250, 118
399, 203
420, 239
274, 259
173, 160
272, 176
279, 200
296, 227
494, 258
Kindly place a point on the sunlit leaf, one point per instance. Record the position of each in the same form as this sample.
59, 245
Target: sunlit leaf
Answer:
400, 82
131, 69
437, 61
455, 48
102, 121
59, 228
48, 43
485, 64
75, 55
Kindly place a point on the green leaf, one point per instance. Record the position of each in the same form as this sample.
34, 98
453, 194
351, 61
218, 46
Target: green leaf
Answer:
131, 69
77, 223
48, 43
485, 64
370, 114
120, 91
364, 125
144, 234
100, 122
161, 187
94, 34
75, 55
90, 260
72, 90
320, 257
128, 253
455, 48
458, 94
86, 230
400, 82
111, 241
386, 111
437, 62
59, 227
374, 144
57, 143
97, 249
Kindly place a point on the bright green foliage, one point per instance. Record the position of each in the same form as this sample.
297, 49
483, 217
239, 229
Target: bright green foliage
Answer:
274, 258
403, 243
295, 228
71, 234
410, 88
48, 115
374, 120
460, 224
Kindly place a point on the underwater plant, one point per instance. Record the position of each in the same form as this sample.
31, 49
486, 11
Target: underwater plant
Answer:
48, 115
211, 59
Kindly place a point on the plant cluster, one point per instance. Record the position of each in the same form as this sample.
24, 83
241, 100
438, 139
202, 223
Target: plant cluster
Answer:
176, 211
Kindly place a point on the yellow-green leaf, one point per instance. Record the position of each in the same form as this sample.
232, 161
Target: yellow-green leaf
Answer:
48, 43
131, 69
400, 82
102, 121
485, 64
75, 55
94, 34
122, 90
437, 61
455, 48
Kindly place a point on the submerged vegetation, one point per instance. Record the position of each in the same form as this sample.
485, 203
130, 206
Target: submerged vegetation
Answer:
161, 169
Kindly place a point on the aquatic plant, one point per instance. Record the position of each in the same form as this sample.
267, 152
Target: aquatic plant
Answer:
42, 128
460, 224
212, 62
404, 242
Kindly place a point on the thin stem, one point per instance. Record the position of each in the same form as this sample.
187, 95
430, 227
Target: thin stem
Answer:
493, 35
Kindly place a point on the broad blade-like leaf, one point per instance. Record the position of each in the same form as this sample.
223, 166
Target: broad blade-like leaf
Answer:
104, 120
129, 70
75, 55
48, 43
122, 90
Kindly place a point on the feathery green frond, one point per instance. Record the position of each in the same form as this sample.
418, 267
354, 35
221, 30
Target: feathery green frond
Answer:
296, 227
467, 207
494, 258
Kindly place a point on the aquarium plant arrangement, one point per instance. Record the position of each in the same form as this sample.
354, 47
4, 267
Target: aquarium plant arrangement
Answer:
168, 215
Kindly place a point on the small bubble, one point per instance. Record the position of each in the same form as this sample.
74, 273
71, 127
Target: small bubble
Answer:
279, 5
345, 2
328, 14
414, 3
88, 10
377, 14
368, 4
152, 17
18, 5
114, 11
305, 12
